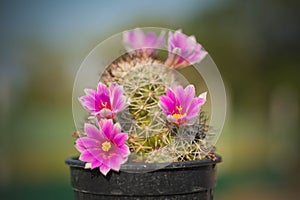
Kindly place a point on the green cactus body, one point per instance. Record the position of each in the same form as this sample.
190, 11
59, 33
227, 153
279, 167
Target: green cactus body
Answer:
143, 86
151, 138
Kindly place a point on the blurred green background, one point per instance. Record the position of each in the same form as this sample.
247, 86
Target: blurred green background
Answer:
255, 45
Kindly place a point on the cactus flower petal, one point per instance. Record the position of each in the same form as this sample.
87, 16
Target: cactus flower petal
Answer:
104, 147
104, 169
183, 50
180, 106
104, 102
137, 39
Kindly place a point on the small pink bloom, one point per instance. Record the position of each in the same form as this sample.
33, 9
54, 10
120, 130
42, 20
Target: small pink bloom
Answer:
104, 102
180, 106
183, 50
137, 40
104, 147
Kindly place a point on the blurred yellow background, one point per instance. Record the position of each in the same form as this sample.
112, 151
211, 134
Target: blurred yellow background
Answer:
255, 45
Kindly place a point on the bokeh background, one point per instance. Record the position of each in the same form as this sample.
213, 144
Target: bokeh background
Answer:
255, 45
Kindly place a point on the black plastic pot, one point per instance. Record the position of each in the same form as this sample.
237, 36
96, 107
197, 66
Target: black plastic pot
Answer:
179, 180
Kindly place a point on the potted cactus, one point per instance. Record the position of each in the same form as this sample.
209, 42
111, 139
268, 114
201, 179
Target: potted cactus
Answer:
144, 135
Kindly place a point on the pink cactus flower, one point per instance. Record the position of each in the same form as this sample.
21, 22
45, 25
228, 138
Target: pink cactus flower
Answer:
180, 106
183, 50
104, 147
104, 102
147, 43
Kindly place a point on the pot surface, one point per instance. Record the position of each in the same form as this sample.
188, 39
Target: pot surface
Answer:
179, 180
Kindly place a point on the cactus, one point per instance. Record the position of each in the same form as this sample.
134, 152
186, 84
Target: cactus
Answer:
124, 64
143, 86
143, 109
188, 144
144, 80
151, 137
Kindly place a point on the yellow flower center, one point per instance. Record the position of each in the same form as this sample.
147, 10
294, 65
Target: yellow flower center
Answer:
178, 114
106, 146
104, 104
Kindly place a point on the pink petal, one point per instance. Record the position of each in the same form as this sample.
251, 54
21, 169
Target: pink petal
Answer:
98, 153
128, 37
95, 164
179, 59
150, 39
180, 95
194, 58
136, 39
103, 98
187, 48
189, 93
93, 132
107, 128
120, 104
86, 156
88, 142
87, 103
193, 113
171, 94
194, 108
88, 99
114, 162
90, 92
104, 169
123, 151
185, 99
133, 39
118, 100
167, 104
202, 98
79, 147
196, 104
101, 88
139, 38
120, 139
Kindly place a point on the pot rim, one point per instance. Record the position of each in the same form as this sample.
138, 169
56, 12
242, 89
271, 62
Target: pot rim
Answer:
138, 167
